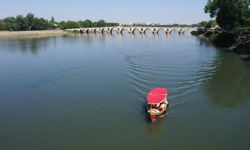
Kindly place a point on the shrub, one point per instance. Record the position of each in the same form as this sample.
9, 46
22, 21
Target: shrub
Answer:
224, 39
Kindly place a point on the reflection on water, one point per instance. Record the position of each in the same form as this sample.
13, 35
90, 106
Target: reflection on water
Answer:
168, 36
33, 46
230, 84
157, 128
27, 45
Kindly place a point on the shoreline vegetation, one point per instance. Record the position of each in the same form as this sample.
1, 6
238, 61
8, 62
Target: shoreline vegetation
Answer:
230, 31
30, 26
30, 23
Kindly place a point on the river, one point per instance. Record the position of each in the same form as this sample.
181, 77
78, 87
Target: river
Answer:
88, 92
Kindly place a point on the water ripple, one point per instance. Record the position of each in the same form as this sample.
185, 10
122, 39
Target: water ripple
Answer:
181, 76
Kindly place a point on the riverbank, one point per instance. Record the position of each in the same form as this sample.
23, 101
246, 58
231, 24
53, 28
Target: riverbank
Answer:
229, 42
31, 34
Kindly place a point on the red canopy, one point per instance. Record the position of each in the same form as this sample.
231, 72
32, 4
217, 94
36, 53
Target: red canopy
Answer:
157, 95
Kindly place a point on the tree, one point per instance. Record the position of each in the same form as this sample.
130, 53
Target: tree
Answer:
30, 22
101, 23
69, 24
52, 23
41, 24
207, 24
2, 25
86, 23
112, 24
61, 25
52, 19
20, 23
29, 19
229, 14
10, 23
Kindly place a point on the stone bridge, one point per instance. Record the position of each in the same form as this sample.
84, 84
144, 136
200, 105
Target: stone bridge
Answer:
131, 30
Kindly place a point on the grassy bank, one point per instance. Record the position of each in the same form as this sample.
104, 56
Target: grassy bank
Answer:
31, 34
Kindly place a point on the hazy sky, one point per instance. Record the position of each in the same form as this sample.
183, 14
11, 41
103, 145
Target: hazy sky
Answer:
123, 11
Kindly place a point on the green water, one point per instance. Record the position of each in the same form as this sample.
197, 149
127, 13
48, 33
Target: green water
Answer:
88, 92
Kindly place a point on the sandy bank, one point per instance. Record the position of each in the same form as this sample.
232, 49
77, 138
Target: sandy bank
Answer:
31, 34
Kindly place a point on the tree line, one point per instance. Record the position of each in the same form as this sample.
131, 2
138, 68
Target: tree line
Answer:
30, 22
161, 25
207, 24
85, 24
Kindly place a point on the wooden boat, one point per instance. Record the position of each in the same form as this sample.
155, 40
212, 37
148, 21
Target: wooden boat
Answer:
157, 103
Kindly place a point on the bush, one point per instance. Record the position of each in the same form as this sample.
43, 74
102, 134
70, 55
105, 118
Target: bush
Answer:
2, 25
198, 32
224, 39
212, 37
243, 48
208, 34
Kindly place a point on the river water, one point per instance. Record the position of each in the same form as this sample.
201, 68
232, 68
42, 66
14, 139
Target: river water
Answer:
88, 92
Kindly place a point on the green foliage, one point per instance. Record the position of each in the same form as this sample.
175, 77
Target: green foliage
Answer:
30, 22
103, 23
207, 24
69, 24
10, 23
52, 23
112, 24
86, 23
20, 23
224, 39
2, 25
243, 49
229, 14
244, 30
52, 20
40, 24
213, 37
100, 23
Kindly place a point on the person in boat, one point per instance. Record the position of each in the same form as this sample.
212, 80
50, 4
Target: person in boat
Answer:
158, 109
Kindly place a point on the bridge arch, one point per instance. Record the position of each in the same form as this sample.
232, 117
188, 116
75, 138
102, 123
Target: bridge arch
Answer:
168, 31
145, 30
113, 29
102, 30
87, 31
133, 30
160, 29
108, 29
141, 30
130, 29
94, 30
121, 30
181, 30
154, 30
